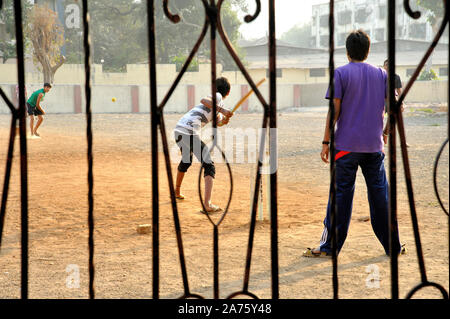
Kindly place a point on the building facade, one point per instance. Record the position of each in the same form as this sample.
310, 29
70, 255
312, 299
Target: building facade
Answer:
371, 16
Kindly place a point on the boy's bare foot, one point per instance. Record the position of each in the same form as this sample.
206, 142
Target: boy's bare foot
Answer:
37, 134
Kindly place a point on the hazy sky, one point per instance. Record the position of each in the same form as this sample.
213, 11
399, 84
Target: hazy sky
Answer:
287, 14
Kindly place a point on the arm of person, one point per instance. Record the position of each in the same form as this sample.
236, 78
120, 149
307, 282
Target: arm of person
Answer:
222, 120
399, 93
207, 101
386, 127
326, 136
38, 103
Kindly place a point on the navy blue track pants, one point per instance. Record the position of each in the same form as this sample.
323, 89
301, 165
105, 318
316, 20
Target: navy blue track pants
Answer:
372, 166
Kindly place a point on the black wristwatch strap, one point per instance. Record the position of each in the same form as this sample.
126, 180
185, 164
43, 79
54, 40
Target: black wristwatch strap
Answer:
325, 142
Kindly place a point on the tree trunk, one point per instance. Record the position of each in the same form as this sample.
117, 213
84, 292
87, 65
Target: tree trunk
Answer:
48, 74
49, 71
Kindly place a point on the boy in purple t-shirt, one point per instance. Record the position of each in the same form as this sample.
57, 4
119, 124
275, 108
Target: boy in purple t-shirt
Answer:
360, 92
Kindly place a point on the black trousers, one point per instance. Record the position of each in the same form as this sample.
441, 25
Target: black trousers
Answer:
192, 145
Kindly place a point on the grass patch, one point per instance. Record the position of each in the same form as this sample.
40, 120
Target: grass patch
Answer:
428, 110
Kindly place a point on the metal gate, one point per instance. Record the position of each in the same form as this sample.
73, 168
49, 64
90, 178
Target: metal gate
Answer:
213, 24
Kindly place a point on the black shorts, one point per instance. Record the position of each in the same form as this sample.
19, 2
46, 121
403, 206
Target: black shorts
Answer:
192, 145
33, 110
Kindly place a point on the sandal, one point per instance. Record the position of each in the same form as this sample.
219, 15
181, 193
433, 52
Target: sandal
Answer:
403, 250
309, 252
181, 196
214, 209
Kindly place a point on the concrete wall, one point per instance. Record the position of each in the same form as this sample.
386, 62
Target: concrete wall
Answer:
131, 89
138, 74
134, 98
428, 92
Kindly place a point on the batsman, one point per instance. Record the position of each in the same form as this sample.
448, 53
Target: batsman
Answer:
187, 137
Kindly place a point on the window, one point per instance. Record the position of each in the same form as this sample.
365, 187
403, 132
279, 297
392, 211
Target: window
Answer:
379, 34
324, 40
410, 72
316, 73
279, 73
362, 14
324, 20
443, 71
344, 17
382, 12
418, 30
341, 39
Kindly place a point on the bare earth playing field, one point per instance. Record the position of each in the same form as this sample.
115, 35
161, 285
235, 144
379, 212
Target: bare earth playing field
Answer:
57, 168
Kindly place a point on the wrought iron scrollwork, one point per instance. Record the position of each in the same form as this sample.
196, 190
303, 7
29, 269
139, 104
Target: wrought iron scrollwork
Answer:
397, 118
436, 162
413, 14
212, 23
250, 17
175, 18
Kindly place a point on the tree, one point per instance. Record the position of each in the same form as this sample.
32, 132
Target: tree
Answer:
299, 35
174, 40
436, 12
47, 37
428, 75
8, 42
119, 32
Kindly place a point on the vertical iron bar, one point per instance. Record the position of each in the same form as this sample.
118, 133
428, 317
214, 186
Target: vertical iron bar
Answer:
154, 120
448, 135
23, 149
392, 108
273, 151
212, 15
9, 159
334, 253
173, 200
216, 262
87, 70
255, 199
409, 188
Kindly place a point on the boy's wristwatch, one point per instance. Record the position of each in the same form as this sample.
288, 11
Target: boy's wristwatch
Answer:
326, 142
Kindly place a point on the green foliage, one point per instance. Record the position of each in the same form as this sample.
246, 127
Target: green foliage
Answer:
119, 33
178, 39
180, 60
8, 43
436, 8
299, 35
428, 75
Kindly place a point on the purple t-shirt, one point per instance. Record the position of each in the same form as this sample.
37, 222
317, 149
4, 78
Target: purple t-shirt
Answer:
362, 89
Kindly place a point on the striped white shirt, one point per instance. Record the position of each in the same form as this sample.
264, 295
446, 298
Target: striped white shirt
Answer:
197, 117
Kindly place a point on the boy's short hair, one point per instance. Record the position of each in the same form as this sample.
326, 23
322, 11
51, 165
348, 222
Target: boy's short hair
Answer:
223, 86
47, 85
386, 62
358, 44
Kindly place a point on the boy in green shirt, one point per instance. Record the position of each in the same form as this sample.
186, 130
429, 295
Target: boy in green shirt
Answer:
35, 109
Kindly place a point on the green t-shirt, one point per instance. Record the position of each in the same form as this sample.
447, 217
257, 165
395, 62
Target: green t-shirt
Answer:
33, 98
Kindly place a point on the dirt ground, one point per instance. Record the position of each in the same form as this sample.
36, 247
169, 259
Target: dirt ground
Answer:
58, 206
